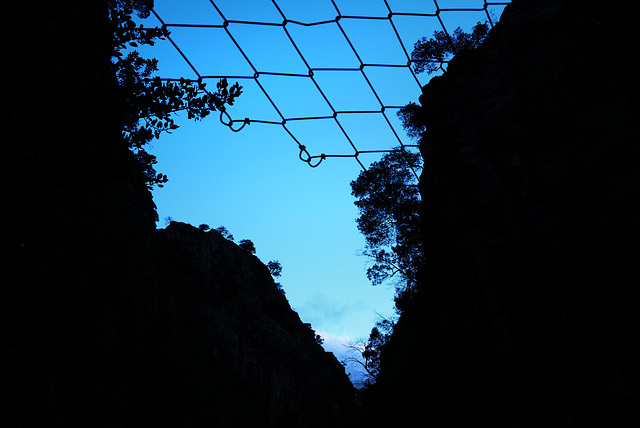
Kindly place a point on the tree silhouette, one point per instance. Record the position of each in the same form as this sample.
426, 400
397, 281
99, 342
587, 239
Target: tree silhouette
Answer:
247, 245
224, 232
429, 54
370, 351
275, 268
151, 102
388, 202
413, 120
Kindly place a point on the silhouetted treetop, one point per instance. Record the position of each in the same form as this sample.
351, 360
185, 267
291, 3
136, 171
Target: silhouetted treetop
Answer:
247, 245
142, 7
224, 232
413, 120
369, 352
151, 102
388, 200
429, 54
275, 268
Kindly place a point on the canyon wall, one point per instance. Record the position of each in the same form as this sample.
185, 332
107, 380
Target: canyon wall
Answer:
527, 311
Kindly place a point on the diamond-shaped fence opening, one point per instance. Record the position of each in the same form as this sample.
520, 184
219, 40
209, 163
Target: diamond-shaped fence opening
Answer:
344, 66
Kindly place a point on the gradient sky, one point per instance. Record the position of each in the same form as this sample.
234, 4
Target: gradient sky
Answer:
252, 182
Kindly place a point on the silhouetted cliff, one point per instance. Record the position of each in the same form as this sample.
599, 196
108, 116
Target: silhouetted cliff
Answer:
105, 321
220, 302
527, 311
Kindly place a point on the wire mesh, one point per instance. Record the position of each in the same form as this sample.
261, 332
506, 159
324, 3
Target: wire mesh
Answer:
385, 21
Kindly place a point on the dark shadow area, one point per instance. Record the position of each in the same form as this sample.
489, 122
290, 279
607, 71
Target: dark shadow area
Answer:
527, 310
104, 320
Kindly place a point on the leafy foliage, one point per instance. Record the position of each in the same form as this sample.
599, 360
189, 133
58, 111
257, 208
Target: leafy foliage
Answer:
388, 202
319, 340
429, 54
275, 268
247, 245
413, 120
387, 192
370, 351
224, 232
151, 103
280, 288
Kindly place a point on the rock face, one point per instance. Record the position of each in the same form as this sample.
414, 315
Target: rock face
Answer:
242, 323
527, 314
105, 321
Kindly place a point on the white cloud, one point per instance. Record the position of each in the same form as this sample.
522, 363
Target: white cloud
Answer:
338, 345
321, 309
334, 343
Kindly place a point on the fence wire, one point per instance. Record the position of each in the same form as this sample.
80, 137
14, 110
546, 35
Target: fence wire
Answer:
337, 115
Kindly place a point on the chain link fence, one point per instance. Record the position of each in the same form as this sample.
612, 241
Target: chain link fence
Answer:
321, 87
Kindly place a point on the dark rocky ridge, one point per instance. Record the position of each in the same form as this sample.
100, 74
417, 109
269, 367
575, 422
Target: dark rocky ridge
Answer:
243, 323
105, 321
527, 313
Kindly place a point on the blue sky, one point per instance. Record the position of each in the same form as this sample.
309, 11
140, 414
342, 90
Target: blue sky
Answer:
252, 182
